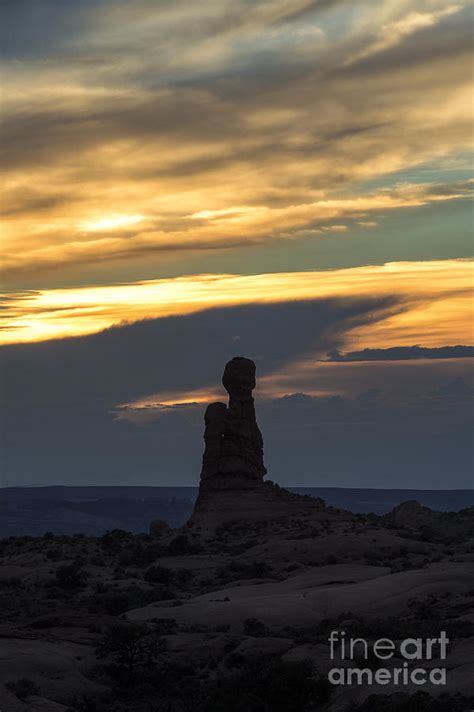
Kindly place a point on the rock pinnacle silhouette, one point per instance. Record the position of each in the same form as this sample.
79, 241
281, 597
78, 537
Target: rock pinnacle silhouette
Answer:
232, 487
233, 441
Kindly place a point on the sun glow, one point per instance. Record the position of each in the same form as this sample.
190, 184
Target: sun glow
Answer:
112, 222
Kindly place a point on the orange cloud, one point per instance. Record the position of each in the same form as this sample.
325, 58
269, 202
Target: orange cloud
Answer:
435, 302
122, 236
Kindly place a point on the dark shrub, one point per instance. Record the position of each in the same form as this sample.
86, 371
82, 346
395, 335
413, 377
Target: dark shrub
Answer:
23, 688
114, 540
140, 555
277, 687
55, 554
243, 570
182, 545
183, 577
115, 602
130, 647
165, 626
11, 582
159, 574
71, 575
255, 628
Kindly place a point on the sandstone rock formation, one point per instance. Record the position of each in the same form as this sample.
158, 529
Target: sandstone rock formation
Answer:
233, 441
412, 515
232, 486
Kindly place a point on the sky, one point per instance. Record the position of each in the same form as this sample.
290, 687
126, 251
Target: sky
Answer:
287, 180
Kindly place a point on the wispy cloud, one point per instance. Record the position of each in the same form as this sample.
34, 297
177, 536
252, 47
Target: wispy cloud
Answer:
257, 128
433, 301
394, 32
121, 237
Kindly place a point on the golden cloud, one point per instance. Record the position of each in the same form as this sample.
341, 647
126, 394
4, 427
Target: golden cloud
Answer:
393, 33
434, 302
260, 127
127, 236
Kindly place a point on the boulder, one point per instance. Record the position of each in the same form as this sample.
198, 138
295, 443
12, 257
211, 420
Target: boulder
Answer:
412, 515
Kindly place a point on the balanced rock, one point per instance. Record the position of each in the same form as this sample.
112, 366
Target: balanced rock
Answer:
233, 441
232, 487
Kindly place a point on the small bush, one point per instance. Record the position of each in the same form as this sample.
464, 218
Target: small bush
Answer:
159, 574
140, 555
55, 554
181, 545
11, 582
242, 570
255, 628
115, 602
71, 576
130, 647
113, 541
23, 688
279, 687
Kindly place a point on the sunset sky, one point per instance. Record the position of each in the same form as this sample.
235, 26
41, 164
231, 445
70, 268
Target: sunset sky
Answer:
288, 180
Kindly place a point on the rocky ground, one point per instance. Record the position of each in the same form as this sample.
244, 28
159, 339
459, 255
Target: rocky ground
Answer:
234, 618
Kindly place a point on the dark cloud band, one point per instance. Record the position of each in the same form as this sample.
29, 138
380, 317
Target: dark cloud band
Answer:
403, 353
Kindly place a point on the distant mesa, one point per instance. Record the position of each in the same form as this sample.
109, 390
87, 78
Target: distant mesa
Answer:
232, 487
